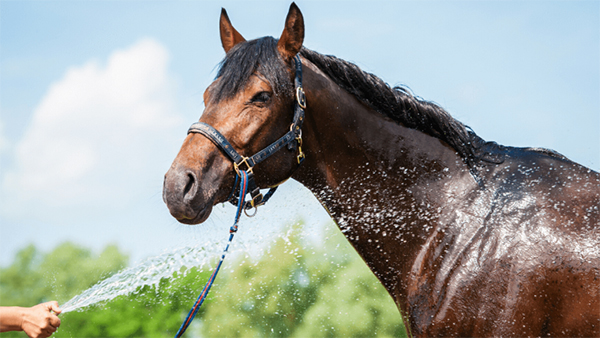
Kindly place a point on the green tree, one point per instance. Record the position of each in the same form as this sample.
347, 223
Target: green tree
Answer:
352, 304
34, 277
153, 311
22, 283
264, 298
296, 290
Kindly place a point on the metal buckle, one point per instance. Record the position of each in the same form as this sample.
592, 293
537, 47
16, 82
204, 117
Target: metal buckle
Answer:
301, 100
256, 200
236, 166
254, 214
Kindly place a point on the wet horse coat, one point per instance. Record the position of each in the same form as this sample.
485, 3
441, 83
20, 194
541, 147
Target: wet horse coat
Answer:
470, 238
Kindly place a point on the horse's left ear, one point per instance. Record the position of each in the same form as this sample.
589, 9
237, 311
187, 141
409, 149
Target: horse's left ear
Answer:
292, 37
229, 36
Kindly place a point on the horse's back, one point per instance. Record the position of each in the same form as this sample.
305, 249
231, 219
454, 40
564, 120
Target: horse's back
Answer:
529, 263
540, 189
549, 207
567, 284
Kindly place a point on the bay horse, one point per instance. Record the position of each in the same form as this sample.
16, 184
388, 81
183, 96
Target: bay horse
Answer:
470, 238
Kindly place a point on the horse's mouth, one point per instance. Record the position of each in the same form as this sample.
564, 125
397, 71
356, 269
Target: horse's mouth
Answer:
200, 217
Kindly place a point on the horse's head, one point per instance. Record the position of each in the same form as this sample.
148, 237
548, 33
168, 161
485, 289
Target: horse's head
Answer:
251, 103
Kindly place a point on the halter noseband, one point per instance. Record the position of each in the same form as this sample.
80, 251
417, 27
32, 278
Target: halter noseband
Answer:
295, 133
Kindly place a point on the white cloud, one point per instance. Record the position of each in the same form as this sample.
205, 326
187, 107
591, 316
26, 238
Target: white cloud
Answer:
98, 136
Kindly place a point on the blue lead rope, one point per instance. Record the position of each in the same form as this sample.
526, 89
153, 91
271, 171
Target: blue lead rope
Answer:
240, 207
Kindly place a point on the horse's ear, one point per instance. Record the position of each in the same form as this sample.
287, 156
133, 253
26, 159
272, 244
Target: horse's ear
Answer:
292, 37
229, 36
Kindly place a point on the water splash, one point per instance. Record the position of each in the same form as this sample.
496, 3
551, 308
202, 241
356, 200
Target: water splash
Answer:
149, 272
255, 235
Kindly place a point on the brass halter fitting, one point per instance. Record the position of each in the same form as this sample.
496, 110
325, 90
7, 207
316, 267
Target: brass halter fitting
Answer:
301, 97
300, 156
236, 166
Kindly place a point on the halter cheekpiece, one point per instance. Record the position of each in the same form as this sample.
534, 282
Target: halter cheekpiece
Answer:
239, 162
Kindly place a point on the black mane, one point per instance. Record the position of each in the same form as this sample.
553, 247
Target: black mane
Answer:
397, 103
401, 106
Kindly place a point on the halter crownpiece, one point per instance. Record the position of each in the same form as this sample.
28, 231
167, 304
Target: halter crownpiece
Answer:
295, 133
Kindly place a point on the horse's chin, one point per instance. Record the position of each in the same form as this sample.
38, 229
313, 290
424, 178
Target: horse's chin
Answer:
201, 216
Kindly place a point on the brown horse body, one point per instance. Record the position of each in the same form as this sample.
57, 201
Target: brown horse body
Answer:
502, 242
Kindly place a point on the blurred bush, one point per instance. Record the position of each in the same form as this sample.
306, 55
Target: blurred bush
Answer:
297, 288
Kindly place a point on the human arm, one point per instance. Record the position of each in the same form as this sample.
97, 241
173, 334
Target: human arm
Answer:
36, 321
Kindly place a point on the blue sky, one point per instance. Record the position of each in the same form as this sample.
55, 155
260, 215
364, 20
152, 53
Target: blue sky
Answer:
96, 97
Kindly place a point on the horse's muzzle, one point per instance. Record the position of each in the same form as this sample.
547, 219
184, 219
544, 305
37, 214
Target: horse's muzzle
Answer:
184, 198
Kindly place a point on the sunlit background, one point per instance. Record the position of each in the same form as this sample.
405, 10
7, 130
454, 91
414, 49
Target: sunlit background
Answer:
96, 98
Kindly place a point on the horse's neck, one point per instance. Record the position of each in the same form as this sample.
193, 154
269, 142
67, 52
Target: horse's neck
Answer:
381, 182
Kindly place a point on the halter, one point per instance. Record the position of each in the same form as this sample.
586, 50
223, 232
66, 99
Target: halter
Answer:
246, 177
239, 161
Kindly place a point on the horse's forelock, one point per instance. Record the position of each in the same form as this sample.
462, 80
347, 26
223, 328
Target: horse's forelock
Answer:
247, 58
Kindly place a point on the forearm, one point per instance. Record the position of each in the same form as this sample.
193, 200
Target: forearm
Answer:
11, 318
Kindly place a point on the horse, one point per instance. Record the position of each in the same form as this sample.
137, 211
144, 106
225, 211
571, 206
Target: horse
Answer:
469, 237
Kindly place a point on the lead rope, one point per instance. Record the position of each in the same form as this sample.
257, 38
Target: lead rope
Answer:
240, 207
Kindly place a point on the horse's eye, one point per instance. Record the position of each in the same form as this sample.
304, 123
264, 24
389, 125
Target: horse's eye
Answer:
261, 97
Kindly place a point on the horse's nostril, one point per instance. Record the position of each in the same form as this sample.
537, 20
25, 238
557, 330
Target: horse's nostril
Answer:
189, 185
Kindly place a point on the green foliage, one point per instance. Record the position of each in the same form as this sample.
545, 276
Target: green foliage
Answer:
151, 312
34, 278
59, 275
68, 270
296, 289
353, 304
22, 283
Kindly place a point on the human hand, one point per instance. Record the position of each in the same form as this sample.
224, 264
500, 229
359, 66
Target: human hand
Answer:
39, 321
